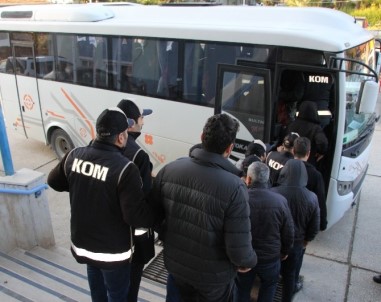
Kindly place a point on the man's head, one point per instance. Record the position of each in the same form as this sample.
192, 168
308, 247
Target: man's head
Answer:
288, 141
219, 134
133, 111
111, 126
257, 173
258, 148
302, 148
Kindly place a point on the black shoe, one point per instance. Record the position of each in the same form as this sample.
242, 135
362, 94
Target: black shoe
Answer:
299, 284
377, 279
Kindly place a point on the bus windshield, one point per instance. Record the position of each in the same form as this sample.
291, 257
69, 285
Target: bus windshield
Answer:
356, 75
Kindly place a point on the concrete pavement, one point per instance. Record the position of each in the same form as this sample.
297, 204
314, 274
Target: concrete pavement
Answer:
339, 264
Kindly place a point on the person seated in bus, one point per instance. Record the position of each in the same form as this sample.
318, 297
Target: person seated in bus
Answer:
307, 124
277, 159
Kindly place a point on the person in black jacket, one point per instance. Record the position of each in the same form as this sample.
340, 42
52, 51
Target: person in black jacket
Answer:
307, 124
143, 238
305, 212
205, 211
277, 159
315, 183
272, 231
106, 201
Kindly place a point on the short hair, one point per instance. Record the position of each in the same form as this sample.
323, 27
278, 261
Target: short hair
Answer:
259, 172
107, 139
219, 132
302, 145
248, 161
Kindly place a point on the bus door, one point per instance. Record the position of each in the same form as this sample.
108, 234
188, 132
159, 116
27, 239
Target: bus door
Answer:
27, 89
244, 93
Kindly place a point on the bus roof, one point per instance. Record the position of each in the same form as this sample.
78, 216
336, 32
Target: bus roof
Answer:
308, 27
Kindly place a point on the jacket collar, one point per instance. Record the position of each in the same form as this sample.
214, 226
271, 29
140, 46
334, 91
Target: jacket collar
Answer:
214, 159
106, 146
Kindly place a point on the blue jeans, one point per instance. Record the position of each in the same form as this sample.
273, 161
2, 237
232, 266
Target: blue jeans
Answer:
289, 270
135, 279
268, 273
109, 285
173, 294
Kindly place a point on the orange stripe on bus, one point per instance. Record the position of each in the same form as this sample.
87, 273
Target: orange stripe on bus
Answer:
55, 114
80, 113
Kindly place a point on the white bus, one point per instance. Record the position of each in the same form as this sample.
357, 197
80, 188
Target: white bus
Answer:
186, 63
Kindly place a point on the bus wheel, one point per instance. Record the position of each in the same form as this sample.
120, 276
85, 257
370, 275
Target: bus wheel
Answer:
61, 143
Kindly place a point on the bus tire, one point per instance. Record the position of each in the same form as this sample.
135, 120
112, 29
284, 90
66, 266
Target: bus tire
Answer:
61, 143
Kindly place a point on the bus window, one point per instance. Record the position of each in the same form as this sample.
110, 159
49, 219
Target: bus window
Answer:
6, 65
244, 95
44, 54
65, 58
193, 69
216, 54
356, 122
145, 67
168, 63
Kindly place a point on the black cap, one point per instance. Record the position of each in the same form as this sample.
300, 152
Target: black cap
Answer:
132, 110
112, 121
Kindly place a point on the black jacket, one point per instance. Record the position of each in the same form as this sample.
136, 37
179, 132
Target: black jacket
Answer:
315, 184
275, 161
141, 159
207, 226
272, 227
302, 202
307, 124
105, 198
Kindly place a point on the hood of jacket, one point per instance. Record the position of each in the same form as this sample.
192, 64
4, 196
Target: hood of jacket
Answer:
293, 173
308, 111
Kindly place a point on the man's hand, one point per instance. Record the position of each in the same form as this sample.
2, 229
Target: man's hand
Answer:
243, 269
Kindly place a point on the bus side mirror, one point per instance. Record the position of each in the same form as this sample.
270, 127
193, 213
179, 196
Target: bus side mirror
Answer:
368, 97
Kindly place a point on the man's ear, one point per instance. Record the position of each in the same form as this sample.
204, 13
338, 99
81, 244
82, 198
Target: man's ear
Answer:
228, 150
248, 180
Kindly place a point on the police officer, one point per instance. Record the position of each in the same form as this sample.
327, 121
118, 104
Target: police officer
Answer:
143, 238
106, 201
277, 159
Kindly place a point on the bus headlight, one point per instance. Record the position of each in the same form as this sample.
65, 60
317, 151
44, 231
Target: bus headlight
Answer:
344, 187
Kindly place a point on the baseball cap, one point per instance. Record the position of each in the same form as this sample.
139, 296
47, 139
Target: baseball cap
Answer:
112, 121
132, 110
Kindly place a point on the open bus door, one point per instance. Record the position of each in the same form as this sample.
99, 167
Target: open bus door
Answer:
244, 93
27, 90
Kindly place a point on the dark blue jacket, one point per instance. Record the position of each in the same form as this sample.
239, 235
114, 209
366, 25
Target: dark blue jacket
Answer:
272, 227
302, 202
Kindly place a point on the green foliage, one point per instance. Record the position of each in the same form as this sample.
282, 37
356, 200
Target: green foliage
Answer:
372, 15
